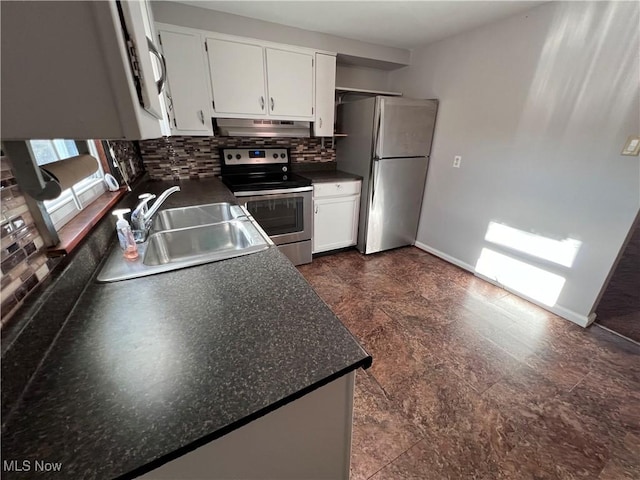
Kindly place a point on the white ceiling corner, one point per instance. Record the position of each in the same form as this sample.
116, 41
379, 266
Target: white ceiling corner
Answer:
402, 23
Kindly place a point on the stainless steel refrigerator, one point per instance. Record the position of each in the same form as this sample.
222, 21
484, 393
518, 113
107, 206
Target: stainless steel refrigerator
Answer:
388, 143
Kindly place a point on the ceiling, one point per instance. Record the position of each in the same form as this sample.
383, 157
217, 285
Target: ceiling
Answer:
402, 24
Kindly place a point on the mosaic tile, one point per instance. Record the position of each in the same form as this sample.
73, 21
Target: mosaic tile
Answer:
178, 157
21, 253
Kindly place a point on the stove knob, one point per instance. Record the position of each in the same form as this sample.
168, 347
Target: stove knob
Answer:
284, 169
229, 157
275, 155
282, 155
238, 156
284, 177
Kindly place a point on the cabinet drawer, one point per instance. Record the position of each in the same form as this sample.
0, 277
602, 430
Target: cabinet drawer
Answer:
335, 189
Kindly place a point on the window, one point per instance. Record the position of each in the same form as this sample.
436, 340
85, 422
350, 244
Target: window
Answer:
74, 199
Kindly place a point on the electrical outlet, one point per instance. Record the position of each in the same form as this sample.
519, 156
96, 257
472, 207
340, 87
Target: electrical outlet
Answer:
456, 161
632, 147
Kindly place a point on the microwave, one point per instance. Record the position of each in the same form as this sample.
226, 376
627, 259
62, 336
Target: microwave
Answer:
148, 65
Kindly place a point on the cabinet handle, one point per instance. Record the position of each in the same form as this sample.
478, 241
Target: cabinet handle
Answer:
261, 103
273, 104
163, 65
202, 116
320, 122
316, 209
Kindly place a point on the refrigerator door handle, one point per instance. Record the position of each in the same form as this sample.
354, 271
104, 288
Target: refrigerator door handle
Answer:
376, 148
374, 179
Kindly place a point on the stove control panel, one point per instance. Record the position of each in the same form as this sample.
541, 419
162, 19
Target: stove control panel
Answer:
255, 156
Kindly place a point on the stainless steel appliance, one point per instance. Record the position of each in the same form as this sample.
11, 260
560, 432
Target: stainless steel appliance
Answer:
278, 200
239, 127
142, 55
388, 143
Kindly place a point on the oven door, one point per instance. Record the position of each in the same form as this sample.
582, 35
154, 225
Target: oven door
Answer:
285, 215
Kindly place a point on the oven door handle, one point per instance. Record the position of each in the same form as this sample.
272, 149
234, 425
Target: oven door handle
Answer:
273, 192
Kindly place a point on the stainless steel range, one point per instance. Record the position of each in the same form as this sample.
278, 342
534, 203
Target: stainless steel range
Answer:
278, 200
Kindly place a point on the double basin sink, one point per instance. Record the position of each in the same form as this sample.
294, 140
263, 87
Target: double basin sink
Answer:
184, 237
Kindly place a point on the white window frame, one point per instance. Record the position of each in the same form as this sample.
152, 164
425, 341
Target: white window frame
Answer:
62, 209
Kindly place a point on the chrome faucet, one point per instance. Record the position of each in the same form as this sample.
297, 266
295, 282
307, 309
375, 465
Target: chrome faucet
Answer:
143, 214
146, 196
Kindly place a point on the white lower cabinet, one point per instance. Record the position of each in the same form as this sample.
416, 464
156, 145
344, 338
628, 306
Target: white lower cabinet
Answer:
307, 439
335, 215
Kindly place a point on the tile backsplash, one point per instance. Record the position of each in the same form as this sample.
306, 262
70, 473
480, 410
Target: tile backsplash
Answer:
23, 262
129, 158
178, 157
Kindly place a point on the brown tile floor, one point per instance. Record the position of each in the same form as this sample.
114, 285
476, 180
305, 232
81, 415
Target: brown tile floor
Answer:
471, 382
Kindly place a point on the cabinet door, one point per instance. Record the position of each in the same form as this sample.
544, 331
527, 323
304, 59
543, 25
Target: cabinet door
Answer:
188, 98
79, 82
325, 95
237, 77
290, 83
335, 222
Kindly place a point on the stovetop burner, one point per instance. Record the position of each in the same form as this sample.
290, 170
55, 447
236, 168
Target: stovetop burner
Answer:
248, 169
269, 181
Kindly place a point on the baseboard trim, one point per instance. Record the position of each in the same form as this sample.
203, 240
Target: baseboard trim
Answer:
582, 320
577, 318
444, 256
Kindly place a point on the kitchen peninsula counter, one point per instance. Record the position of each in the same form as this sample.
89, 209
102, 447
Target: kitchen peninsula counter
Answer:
148, 369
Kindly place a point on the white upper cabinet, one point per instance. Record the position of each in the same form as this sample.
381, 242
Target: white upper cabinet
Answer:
290, 83
251, 80
67, 72
187, 94
323, 125
237, 77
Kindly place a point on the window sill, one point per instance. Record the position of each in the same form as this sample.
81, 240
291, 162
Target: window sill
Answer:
76, 229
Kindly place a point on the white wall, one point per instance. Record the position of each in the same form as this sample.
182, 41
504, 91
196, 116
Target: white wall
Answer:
539, 105
362, 77
205, 19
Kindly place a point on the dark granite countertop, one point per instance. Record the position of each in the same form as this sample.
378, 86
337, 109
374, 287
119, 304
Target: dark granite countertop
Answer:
148, 369
325, 176
193, 192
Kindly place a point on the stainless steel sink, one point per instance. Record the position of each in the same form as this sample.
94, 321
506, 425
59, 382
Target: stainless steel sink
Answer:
215, 241
174, 218
185, 247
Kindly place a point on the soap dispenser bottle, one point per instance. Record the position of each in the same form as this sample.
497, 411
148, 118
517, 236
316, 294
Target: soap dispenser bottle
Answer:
125, 235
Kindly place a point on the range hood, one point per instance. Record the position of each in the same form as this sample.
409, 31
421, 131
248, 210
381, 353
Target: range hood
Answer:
236, 127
